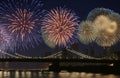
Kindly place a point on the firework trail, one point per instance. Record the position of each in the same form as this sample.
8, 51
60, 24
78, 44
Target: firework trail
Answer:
22, 18
60, 25
107, 22
87, 32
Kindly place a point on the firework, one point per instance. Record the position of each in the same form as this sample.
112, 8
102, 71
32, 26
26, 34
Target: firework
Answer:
107, 22
20, 23
60, 25
106, 39
87, 32
102, 18
22, 20
102, 12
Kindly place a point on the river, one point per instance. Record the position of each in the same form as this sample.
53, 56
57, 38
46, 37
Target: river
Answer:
63, 74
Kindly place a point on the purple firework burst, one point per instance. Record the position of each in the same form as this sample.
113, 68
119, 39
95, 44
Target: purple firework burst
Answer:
23, 20
6, 40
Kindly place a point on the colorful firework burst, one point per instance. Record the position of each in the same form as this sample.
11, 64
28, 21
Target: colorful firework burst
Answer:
60, 25
87, 32
108, 23
22, 20
20, 23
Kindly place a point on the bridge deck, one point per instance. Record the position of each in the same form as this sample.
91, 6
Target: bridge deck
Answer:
57, 60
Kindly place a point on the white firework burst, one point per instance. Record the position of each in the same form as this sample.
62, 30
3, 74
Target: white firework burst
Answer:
87, 32
105, 39
107, 22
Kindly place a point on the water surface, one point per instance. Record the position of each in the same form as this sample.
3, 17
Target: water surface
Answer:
37, 74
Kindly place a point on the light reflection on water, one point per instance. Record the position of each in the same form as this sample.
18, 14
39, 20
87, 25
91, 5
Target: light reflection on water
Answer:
31, 74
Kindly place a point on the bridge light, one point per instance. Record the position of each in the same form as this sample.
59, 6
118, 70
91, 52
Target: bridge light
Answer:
112, 64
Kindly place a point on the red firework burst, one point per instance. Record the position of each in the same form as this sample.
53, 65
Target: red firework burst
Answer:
20, 23
60, 25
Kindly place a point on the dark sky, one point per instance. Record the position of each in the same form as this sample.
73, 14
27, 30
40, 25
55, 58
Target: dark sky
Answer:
81, 8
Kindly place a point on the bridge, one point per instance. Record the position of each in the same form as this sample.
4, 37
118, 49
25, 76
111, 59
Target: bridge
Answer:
57, 55
60, 56
74, 57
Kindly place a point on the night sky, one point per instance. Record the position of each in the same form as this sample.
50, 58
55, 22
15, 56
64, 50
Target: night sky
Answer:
81, 8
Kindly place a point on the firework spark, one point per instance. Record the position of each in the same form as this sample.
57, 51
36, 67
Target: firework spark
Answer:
60, 25
22, 20
87, 32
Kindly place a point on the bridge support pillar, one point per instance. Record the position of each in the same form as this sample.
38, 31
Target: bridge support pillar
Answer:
55, 67
6, 66
116, 68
